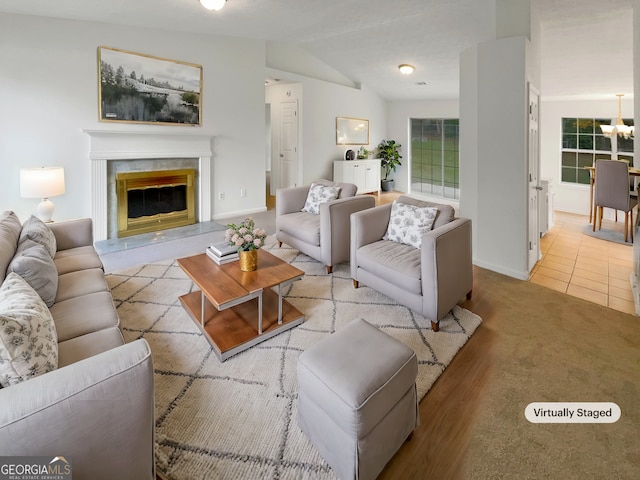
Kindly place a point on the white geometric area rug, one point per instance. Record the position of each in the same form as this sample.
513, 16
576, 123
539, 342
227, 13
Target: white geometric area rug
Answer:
237, 419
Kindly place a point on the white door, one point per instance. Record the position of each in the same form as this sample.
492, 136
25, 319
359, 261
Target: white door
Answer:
534, 185
288, 144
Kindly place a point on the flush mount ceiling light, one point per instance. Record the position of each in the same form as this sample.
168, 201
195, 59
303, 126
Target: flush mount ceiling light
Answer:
619, 128
213, 4
406, 69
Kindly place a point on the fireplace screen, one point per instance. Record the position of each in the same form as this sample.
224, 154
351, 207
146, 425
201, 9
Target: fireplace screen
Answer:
151, 201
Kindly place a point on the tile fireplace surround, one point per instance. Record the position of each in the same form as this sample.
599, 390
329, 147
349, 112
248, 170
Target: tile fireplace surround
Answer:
110, 145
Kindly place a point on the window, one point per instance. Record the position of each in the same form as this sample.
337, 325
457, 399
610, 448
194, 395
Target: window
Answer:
583, 143
435, 157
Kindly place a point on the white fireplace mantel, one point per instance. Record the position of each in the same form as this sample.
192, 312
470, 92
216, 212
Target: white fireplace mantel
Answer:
109, 145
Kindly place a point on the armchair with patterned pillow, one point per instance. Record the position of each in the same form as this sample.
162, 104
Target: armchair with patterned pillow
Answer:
315, 219
416, 252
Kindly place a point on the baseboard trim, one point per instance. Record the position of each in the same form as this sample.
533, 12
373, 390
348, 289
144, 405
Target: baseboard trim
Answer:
520, 275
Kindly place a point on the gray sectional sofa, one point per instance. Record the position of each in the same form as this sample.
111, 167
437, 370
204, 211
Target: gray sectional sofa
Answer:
90, 397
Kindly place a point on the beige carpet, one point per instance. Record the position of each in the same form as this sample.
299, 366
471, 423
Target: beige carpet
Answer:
544, 346
237, 419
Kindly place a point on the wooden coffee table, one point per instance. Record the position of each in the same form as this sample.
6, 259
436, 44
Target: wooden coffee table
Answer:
236, 310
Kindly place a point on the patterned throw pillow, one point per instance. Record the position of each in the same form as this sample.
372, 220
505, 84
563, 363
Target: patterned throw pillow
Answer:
28, 339
408, 223
35, 229
319, 194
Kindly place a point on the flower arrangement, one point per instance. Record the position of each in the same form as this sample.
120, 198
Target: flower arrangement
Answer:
246, 236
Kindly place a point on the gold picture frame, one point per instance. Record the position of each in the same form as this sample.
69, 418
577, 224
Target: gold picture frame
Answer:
139, 88
352, 131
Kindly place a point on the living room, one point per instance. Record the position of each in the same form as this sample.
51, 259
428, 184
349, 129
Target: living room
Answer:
49, 83
52, 88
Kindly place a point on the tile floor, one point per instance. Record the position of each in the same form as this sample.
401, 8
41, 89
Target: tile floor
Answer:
580, 265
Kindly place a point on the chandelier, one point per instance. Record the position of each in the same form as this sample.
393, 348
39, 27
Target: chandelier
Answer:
213, 4
619, 128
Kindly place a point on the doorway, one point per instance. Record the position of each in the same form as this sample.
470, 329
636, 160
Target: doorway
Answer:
534, 173
283, 126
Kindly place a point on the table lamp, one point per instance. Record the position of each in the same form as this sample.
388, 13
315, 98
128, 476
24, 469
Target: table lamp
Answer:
42, 182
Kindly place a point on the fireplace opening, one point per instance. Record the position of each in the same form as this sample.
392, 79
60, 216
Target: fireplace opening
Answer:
155, 200
148, 201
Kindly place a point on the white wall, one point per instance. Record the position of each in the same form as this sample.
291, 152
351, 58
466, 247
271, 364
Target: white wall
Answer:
494, 189
570, 197
49, 94
399, 116
319, 104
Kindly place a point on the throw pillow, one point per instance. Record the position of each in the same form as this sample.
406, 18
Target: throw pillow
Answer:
36, 230
408, 223
33, 263
319, 194
28, 339
10, 227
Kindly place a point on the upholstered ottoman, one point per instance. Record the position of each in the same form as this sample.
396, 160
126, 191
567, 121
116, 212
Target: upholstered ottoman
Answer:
357, 399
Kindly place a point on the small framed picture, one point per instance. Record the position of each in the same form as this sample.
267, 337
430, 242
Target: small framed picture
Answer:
352, 131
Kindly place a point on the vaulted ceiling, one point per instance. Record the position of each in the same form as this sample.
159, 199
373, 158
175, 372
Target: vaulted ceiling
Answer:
586, 49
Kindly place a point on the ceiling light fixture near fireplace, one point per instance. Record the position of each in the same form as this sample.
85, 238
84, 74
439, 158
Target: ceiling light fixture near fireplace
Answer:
213, 4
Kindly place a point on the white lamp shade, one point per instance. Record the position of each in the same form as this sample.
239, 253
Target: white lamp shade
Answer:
213, 4
41, 182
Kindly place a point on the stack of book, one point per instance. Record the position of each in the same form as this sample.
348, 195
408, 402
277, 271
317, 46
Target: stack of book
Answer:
222, 252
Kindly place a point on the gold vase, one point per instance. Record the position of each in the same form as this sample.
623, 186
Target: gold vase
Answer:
248, 260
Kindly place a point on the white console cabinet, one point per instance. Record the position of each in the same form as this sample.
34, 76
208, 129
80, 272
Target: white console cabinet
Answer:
363, 173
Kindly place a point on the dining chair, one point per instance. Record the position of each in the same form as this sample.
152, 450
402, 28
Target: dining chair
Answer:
612, 191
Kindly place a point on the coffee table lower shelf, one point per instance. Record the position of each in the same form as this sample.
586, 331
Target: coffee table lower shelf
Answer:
235, 329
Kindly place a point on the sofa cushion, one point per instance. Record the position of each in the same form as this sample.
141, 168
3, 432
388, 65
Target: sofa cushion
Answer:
34, 264
36, 230
397, 263
446, 213
83, 282
10, 227
319, 194
408, 223
28, 340
76, 259
85, 346
81, 315
302, 225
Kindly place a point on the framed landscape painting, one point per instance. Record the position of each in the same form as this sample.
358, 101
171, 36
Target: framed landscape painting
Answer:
352, 131
145, 89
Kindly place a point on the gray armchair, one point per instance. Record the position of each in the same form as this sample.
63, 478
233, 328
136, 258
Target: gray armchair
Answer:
431, 279
325, 236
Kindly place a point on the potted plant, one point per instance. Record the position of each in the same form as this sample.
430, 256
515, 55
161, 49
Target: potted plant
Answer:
389, 160
363, 153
